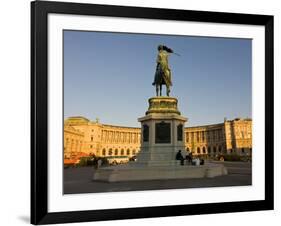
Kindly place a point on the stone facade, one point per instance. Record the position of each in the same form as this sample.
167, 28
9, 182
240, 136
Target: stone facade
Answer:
73, 142
229, 137
105, 140
91, 137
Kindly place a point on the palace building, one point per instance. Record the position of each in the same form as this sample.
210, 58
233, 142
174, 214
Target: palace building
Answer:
83, 137
100, 139
229, 137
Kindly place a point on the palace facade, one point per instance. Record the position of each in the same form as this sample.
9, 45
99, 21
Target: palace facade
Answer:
83, 137
100, 139
229, 137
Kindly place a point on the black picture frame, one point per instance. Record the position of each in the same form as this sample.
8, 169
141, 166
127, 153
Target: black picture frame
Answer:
39, 112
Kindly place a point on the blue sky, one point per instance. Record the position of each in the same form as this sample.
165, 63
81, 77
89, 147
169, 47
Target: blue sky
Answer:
109, 76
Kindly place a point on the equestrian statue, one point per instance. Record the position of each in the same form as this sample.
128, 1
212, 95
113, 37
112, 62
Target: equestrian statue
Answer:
163, 75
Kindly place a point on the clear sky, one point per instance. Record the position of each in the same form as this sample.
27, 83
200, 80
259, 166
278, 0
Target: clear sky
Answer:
110, 75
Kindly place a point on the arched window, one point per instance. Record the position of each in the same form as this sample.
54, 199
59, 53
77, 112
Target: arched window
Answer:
198, 150
134, 152
214, 149
103, 152
122, 152
128, 152
116, 152
110, 151
204, 150
219, 148
209, 150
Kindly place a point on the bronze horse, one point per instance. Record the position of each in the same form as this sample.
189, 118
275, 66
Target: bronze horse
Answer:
163, 75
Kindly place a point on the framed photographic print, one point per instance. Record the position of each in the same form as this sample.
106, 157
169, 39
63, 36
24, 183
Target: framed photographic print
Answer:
144, 112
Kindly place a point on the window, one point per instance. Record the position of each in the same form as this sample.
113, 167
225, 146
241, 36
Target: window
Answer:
134, 152
91, 146
198, 150
92, 138
110, 152
214, 149
122, 152
204, 150
219, 148
243, 150
209, 150
116, 152
128, 152
103, 152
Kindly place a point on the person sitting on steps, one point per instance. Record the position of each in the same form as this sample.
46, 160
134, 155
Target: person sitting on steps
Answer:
180, 157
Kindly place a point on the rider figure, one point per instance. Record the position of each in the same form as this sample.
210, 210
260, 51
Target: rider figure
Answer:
163, 74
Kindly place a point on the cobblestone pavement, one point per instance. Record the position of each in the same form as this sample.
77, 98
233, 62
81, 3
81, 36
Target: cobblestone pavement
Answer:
79, 180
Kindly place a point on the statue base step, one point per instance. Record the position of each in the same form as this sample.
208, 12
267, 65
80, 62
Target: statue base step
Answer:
137, 172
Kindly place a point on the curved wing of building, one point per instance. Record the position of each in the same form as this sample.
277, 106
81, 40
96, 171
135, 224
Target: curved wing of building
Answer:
84, 137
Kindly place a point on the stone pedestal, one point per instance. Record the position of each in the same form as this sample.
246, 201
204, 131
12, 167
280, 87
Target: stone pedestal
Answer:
162, 133
162, 137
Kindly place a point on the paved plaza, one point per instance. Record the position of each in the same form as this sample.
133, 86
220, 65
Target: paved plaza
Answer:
79, 180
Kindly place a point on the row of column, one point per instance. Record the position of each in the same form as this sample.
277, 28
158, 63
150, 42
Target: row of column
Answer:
73, 145
201, 136
120, 137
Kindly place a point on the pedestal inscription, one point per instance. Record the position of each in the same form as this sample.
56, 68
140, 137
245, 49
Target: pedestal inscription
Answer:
162, 133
